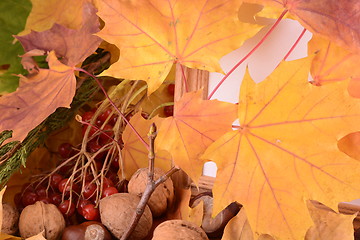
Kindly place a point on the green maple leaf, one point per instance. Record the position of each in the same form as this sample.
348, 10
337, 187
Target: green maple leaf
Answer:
12, 20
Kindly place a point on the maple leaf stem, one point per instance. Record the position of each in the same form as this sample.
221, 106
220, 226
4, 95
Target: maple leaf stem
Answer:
295, 44
184, 78
114, 105
249, 53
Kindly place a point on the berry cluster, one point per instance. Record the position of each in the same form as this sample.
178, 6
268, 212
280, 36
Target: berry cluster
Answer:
77, 185
79, 182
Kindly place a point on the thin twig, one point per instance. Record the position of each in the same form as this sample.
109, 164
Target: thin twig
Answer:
150, 186
151, 135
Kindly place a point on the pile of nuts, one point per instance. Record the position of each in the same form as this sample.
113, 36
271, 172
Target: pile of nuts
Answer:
115, 213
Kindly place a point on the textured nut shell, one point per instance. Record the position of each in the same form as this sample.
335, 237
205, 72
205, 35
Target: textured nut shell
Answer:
89, 230
163, 195
40, 216
179, 230
116, 212
10, 219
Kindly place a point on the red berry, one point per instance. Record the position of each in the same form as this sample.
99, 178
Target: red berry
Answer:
55, 198
171, 89
62, 185
18, 201
169, 111
5, 66
93, 146
87, 116
129, 115
109, 191
89, 177
41, 191
27, 187
111, 175
65, 169
113, 119
90, 212
107, 183
81, 205
92, 131
29, 198
89, 190
115, 163
65, 187
107, 133
99, 164
67, 208
45, 199
55, 179
66, 150
103, 116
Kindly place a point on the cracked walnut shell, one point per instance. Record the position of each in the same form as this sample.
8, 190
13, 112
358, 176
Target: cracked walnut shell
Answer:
116, 212
163, 195
41, 217
179, 230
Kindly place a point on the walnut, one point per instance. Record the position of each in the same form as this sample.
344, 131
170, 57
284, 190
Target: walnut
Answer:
179, 230
163, 195
10, 219
116, 212
39, 217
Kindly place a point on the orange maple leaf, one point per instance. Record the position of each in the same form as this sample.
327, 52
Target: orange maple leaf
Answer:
194, 33
350, 145
285, 151
195, 125
336, 20
73, 45
333, 63
134, 154
45, 13
36, 98
329, 225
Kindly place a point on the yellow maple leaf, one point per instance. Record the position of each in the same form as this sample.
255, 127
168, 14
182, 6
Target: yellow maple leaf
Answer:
152, 35
134, 154
328, 224
332, 19
333, 63
195, 125
45, 13
238, 228
285, 151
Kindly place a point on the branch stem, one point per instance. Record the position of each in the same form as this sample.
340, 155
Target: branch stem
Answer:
150, 186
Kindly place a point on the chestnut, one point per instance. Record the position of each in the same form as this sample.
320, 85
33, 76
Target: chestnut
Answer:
90, 230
